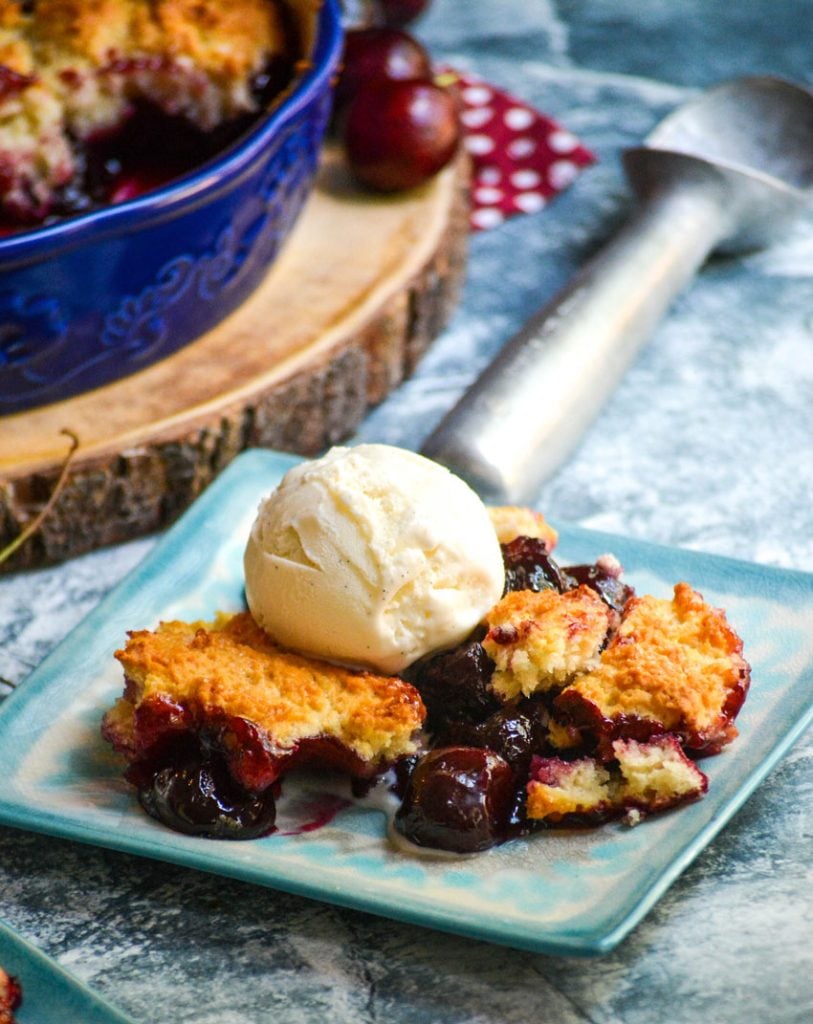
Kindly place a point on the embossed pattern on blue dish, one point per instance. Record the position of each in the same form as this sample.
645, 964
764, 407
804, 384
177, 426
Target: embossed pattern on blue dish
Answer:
50, 994
104, 294
577, 892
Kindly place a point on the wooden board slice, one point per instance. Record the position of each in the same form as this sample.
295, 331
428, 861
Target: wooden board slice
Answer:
360, 290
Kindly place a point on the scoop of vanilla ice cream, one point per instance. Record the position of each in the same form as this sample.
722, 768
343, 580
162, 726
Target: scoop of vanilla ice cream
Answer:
372, 557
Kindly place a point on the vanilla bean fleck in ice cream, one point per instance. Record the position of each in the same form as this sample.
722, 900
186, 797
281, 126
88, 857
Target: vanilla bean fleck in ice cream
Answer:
372, 557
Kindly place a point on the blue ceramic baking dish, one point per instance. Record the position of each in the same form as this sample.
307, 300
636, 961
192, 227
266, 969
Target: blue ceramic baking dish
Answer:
100, 296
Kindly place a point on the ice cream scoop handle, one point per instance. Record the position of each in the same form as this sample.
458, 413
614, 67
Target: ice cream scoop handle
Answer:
527, 410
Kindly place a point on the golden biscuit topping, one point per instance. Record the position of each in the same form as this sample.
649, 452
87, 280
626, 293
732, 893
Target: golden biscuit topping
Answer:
232, 669
540, 641
512, 521
675, 663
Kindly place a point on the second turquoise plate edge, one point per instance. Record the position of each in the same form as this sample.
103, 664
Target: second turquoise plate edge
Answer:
49, 991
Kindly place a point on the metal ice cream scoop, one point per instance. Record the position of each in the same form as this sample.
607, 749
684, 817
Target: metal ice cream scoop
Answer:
726, 171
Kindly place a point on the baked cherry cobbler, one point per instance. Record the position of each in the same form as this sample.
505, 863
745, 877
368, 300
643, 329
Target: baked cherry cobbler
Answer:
101, 101
570, 701
11, 997
214, 714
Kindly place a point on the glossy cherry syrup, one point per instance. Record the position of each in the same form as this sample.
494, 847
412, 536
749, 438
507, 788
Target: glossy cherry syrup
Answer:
222, 780
454, 685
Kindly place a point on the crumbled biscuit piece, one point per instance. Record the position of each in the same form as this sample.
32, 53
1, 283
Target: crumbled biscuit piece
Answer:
657, 774
642, 778
16, 55
672, 666
231, 669
512, 521
35, 155
561, 790
540, 641
91, 32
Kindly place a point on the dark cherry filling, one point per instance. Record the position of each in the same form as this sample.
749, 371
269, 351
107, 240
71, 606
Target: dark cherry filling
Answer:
606, 584
460, 799
149, 149
402, 772
454, 684
220, 780
515, 732
597, 730
528, 566
192, 790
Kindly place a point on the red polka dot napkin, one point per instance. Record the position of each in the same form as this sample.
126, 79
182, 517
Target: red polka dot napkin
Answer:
520, 158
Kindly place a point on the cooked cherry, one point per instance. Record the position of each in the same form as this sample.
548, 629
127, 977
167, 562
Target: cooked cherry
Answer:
194, 793
528, 566
159, 722
250, 761
512, 733
402, 12
459, 799
606, 583
374, 55
454, 684
399, 134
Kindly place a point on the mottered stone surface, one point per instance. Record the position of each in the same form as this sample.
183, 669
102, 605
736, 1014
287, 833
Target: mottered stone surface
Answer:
707, 443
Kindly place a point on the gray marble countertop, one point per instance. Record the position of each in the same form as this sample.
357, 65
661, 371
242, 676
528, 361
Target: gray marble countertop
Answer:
707, 443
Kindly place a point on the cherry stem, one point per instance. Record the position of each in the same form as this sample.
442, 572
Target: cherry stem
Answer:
39, 519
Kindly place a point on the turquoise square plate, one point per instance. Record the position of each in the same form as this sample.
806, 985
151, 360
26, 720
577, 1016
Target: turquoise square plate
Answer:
569, 892
50, 994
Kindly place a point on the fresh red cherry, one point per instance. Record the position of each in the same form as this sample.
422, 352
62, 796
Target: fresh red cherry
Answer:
374, 55
399, 134
401, 12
